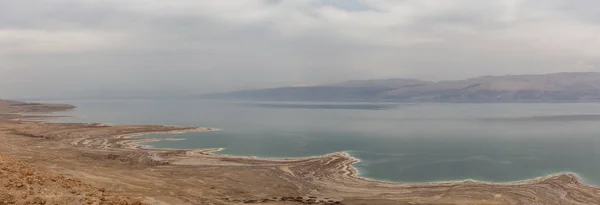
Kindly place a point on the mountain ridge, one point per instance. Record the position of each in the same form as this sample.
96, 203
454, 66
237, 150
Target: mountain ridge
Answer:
554, 87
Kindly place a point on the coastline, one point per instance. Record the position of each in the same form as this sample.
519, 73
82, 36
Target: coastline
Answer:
199, 173
134, 144
352, 170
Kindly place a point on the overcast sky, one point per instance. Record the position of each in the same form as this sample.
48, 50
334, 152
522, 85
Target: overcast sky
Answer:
78, 47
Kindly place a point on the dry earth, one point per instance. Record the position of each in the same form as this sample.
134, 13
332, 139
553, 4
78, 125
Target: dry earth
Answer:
102, 156
22, 184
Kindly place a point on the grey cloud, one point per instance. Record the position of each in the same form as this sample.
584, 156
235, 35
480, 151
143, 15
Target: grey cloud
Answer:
64, 47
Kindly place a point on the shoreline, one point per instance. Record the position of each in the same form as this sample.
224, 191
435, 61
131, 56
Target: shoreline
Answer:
354, 171
133, 143
198, 176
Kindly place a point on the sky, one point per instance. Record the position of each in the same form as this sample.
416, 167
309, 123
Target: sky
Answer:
95, 48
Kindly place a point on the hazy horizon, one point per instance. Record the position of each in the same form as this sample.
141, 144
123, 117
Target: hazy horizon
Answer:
87, 48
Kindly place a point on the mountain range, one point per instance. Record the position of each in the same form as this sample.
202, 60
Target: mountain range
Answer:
556, 87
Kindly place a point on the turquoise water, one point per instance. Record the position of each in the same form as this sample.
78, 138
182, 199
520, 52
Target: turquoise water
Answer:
395, 142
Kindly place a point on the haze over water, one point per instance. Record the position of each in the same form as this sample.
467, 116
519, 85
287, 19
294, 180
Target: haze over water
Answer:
395, 142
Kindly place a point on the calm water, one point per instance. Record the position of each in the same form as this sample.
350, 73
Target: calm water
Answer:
395, 142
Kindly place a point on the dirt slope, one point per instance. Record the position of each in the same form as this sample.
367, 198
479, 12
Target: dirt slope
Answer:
20, 183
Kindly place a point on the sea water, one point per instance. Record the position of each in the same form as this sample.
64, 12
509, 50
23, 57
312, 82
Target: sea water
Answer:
402, 142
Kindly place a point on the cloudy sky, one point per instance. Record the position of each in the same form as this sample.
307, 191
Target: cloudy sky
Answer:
52, 48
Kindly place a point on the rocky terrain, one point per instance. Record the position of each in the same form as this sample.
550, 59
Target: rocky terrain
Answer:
20, 183
83, 156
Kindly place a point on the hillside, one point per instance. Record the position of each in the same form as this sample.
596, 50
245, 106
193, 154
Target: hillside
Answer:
557, 87
20, 183
355, 90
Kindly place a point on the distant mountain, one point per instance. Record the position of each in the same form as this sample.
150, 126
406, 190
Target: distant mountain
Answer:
557, 87
355, 90
11, 106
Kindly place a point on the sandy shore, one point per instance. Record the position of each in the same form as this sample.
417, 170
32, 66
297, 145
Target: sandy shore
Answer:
106, 156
